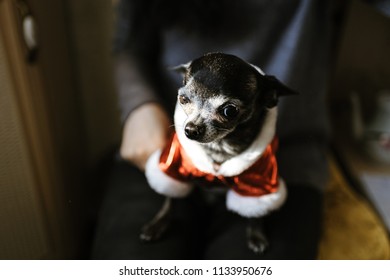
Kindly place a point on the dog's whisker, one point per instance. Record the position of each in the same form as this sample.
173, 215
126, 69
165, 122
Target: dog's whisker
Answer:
223, 129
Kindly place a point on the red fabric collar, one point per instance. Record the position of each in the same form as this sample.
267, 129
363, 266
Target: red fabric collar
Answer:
259, 179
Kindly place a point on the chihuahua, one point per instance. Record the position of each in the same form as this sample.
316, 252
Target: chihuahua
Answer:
225, 122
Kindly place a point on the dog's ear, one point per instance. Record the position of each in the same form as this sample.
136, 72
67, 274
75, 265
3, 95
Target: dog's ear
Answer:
274, 89
182, 69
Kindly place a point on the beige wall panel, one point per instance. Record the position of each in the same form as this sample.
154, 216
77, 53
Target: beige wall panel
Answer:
23, 232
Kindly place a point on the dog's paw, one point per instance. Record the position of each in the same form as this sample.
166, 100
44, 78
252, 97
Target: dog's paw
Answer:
256, 240
153, 231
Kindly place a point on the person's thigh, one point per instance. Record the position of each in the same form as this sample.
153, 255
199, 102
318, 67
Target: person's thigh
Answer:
293, 231
128, 204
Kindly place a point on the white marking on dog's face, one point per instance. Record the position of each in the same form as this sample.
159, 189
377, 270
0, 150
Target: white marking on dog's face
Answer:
205, 109
189, 106
206, 113
209, 108
217, 101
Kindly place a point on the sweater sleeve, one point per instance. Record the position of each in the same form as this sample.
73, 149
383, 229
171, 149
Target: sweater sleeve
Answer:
133, 90
135, 49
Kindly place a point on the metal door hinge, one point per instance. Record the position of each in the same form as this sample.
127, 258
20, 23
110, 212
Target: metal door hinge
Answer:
29, 30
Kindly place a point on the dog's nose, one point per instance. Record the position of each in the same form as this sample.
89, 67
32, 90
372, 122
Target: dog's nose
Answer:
194, 132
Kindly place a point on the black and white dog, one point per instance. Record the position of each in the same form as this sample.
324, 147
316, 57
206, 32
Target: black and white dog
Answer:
225, 121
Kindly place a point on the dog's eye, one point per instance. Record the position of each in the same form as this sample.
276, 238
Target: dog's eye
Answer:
183, 99
230, 111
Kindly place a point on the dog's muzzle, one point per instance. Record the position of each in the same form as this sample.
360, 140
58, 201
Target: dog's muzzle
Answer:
193, 131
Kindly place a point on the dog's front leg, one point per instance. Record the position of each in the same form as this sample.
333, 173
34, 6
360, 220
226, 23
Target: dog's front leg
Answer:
256, 238
153, 230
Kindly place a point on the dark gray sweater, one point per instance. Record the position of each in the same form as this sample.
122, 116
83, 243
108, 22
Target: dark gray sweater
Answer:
288, 39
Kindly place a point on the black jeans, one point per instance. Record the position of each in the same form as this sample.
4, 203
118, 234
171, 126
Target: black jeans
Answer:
202, 228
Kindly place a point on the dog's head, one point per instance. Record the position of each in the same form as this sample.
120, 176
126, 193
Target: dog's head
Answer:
221, 91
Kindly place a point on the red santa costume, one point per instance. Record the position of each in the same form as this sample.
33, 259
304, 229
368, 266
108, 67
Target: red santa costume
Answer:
254, 187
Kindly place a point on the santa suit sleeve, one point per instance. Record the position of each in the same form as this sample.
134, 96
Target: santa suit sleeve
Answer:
259, 189
162, 171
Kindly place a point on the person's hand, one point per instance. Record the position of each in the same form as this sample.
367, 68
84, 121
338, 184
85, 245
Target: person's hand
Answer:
146, 130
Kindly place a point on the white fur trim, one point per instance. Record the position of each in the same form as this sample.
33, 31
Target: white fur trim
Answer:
161, 182
254, 207
235, 165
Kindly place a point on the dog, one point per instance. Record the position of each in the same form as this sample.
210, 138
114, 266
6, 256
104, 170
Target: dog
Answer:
225, 122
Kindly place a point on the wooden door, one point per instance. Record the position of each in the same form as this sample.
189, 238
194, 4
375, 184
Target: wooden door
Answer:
41, 138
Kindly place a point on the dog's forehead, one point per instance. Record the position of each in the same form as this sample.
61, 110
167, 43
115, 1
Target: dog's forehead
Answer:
217, 91
212, 94
206, 98
220, 73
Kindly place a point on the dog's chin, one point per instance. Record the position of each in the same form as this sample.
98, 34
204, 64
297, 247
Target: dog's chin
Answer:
202, 141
